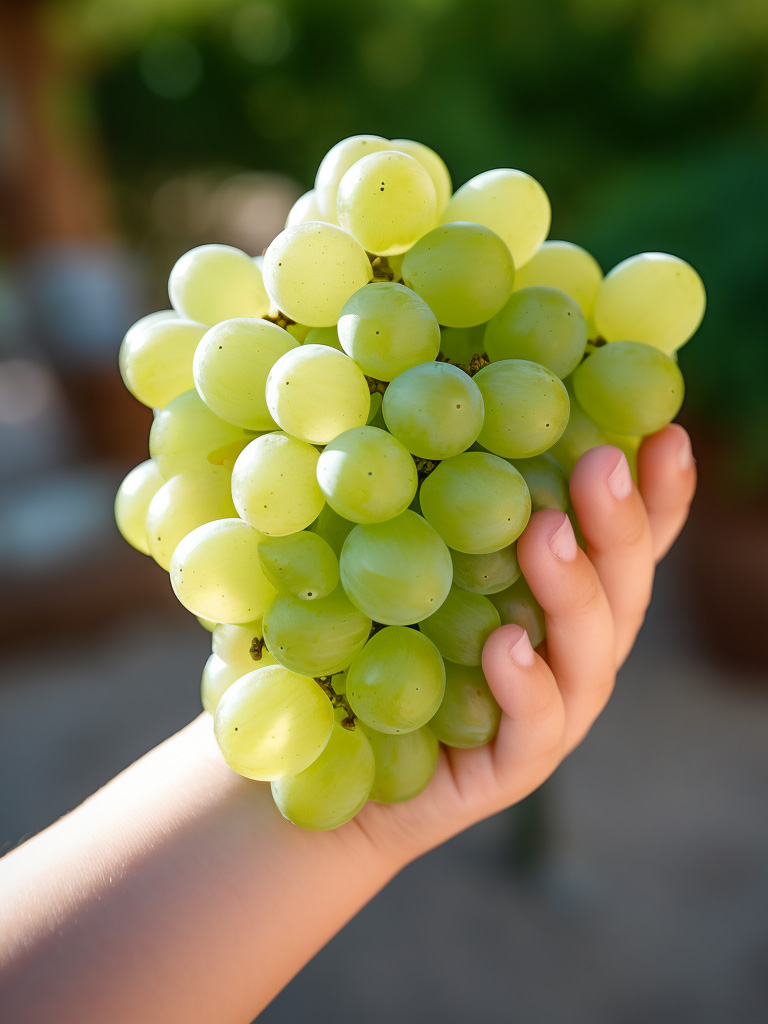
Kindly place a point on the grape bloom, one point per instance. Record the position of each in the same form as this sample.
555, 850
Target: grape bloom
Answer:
350, 435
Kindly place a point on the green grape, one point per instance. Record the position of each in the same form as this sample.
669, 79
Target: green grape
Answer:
486, 574
477, 502
333, 788
387, 201
143, 322
366, 475
629, 387
324, 336
511, 203
305, 208
302, 564
310, 270
432, 164
274, 484
183, 503
405, 763
316, 393
217, 282
396, 683
241, 645
517, 605
215, 572
541, 324
654, 298
339, 685
316, 638
526, 408
187, 435
386, 328
375, 419
460, 344
546, 482
218, 676
434, 409
333, 528
334, 166
469, 715
156, 359
461, 625
132, 501
579, 436
207, 624
397, 572
630, 445
396, 266
568, 267
272, 723
298, 332
462, 271
231, 366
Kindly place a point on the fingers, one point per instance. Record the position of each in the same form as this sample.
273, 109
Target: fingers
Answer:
667, 474
617, 532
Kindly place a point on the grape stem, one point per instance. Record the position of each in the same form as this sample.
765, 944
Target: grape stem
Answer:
256, 648
476, 363
375, 385
337, 699
381, 268
280, 319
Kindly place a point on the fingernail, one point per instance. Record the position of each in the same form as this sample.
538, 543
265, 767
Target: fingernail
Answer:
620, 479
521, 652
563, 541
684, 452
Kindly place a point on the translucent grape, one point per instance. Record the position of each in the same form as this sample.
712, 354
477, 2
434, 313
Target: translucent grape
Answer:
302, 564
311, 269
397, 572
215, 572
396, 683
509, 202
274, 484
630, 445
462, 271
316, 393
486, 574
434, 409
630, 387
298, 332
272, 723
568, 267
187, 435
545, 480
541, 324
217, 282
460, 344
432, 164
207, 624
517, 605
654, 298
132, 501
526, 408
404, 763
366, 475
468, 715
336, 163
334, 787
332, 528
305, 208
156, 359
581, 434
231, 366
461, 625
387, 201
316, 638
477, 502
240, 645
324, 336
218, 676
183, 503
386, 328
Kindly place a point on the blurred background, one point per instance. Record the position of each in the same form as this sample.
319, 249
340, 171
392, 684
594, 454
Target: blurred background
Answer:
635, 886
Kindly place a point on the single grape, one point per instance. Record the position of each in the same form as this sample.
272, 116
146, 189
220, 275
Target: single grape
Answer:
316, 638
208, 624
366, 475
186, 435
396, 683
580, 434
568, 267
334, 166
324, 336
630, 445
630, 388
302, 564
375, 419
404, 763
397, 572
386, 328
183, 503
469, 715
517, 605
526, 408
304, 209
272, 723
298, 332
462, 271
156, 359
217, 282
316, 393
334, 787
274, 484
509, 202
541, 324
460, 344
432, 164
215, 572
333, 528
461, 625
434, 409
132, 501
488, 573
477, 502
231, 366
241, 645
218, 676
545, 480
311, 269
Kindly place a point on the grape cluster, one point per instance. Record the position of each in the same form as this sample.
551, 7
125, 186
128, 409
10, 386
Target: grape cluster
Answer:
350, 434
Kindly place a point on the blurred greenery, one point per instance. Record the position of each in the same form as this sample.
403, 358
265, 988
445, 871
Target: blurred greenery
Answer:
644, 119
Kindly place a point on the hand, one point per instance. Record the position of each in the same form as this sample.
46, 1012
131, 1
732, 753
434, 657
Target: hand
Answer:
594, 604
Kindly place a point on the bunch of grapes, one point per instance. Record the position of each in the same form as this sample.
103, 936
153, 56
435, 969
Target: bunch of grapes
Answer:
350, 434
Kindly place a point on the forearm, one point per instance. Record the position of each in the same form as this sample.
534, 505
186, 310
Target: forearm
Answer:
175, 893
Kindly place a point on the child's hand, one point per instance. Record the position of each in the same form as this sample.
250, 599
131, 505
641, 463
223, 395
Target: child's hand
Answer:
594, 605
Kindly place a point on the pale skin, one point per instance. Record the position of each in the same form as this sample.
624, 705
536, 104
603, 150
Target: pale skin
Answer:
178, 892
